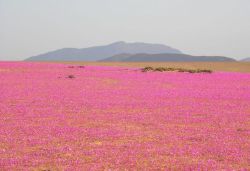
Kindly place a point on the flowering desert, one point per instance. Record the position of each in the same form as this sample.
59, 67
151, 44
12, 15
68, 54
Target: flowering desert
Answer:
64, 117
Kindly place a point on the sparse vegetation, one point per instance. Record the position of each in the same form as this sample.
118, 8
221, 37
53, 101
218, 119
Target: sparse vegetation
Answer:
164, 69
160, 69
146, 69
71, 76
80, 66
206, 70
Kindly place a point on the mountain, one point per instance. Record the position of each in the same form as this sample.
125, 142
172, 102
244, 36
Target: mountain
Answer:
245, 60
165, 57
119, 57
101, 52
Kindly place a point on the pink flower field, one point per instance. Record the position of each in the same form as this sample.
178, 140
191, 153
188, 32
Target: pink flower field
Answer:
62, 117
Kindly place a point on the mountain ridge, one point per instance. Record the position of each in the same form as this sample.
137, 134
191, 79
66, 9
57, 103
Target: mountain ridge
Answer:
96, 53
245, 60
142, 57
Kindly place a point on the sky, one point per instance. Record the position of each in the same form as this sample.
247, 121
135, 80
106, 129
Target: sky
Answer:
196, 27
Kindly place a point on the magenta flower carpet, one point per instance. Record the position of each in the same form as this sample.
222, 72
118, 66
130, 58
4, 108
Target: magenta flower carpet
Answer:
62, 117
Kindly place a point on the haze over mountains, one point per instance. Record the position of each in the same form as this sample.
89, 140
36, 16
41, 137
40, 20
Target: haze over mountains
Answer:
165, 57
102, 52
246, 60
122, 51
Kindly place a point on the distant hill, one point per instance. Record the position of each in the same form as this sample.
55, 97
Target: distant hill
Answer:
165, 57
245, 60
101, 52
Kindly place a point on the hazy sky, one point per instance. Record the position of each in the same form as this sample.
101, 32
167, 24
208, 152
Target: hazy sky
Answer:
198, 27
